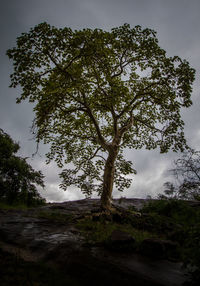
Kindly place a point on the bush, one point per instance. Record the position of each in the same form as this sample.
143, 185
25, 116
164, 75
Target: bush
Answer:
187, 232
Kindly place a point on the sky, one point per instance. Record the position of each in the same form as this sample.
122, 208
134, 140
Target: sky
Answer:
177, 24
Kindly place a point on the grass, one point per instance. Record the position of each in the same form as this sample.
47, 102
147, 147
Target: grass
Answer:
55, 216
18, 205
99, 232
13, 207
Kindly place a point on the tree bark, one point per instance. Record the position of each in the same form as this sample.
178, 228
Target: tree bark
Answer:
109, 171
108, 180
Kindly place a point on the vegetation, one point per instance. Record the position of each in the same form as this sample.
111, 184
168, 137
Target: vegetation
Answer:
15, 206
99, 232
97, 93
186, 230
98, 228
55, 216
18, 180
174, 205
171, 222
187, 173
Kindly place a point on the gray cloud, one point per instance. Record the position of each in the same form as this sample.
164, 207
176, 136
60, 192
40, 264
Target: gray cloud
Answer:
178, 27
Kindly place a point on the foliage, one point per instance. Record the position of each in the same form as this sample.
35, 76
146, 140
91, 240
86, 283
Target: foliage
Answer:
55, 216
17, 177
187, 231
179, 211
15, 206
97, 93
98, 232
187, 172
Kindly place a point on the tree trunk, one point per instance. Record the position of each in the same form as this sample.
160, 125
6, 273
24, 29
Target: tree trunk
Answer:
108, 180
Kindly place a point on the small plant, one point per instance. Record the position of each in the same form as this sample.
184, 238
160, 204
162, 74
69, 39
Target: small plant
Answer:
99, 232
18, 206
55, 216
179, 211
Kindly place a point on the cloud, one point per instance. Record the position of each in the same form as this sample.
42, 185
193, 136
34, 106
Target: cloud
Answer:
177, 24
53, 193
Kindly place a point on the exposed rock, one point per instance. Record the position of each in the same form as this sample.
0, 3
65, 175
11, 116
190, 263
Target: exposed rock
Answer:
49, 234
153, 248
159, 248
118, 236
120, 241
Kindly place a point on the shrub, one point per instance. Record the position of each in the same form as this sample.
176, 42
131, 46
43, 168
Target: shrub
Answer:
18, 179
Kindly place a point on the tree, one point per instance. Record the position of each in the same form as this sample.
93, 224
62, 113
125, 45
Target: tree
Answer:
97, 93
18, 180
187, 173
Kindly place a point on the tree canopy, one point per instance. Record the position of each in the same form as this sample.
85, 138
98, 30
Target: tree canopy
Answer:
18, 180
98, 92
187, 175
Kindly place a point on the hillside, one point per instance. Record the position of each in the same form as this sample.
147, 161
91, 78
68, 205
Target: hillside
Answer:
73, 243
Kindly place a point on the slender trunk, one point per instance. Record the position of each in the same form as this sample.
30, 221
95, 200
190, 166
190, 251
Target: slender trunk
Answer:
109, 171
108, 180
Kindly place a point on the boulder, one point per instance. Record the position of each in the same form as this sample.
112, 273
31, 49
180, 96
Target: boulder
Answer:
159, 248
121, 237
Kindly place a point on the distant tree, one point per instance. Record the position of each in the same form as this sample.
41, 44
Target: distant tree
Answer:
187, 173
17, 177
97, 93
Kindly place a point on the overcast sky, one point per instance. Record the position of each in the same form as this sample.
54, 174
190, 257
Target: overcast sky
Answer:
177, 23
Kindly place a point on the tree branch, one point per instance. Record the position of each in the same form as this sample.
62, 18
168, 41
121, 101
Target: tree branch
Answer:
122, 64
114, 116
102, 141
94, 155
111, 108
126, 126
54, 61
146, 124
137, 96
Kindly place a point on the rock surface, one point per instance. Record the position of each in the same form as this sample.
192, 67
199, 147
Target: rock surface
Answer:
56, 241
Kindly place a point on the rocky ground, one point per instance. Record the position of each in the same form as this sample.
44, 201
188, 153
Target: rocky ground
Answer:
50, 245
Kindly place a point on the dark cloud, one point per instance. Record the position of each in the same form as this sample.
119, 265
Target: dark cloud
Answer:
178, 27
